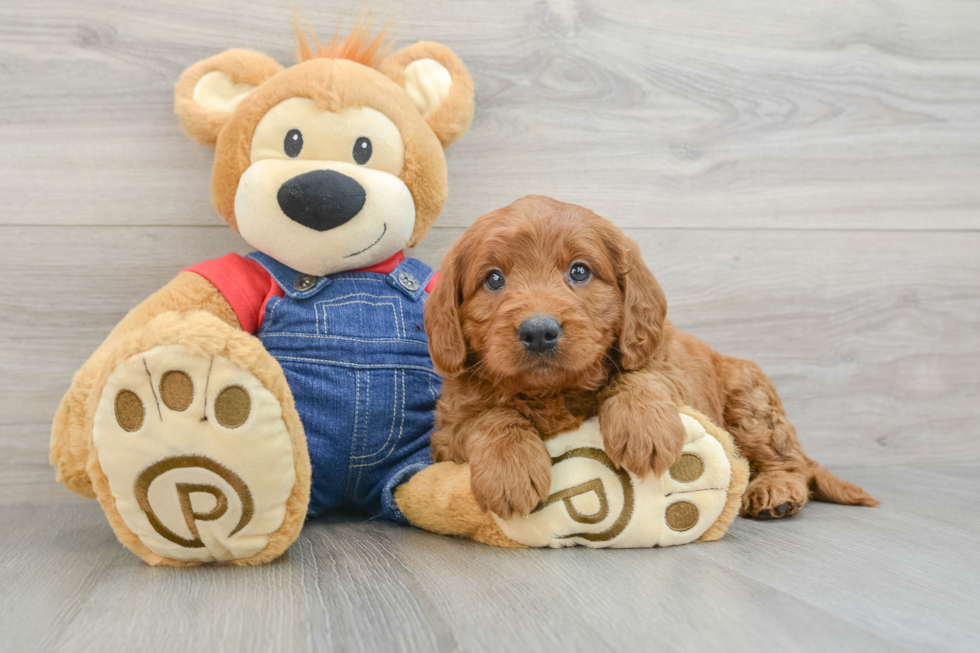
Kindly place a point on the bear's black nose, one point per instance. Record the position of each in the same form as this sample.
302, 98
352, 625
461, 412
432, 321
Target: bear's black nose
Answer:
539, 333
321, 199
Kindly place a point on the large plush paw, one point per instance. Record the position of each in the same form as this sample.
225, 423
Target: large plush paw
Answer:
513, 481
197, 456
774, 495
641, 436
595, 503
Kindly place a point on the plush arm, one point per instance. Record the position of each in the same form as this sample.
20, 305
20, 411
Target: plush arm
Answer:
69, 433
639, 420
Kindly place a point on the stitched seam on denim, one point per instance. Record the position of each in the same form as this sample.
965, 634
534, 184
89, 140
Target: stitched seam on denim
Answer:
435, 395
357, 413
364, 366
336, 300
269, 316
325, 305
391, 430
401, 424
400, 317
409, 341
401, 430
355, 294
386, 300
316, 312
364, 438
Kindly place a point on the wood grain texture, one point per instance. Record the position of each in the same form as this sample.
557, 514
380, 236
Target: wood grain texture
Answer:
697, 114
802, 178
897, 578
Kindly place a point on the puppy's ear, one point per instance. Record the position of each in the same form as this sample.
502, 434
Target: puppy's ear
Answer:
644, 306
208, 92
443, 324
439, 85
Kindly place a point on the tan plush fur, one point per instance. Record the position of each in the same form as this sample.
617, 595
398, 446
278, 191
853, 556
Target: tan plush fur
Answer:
191, 312
439, 499
334, 84
242, 66
202, 333
618, 358
453, 117
71, 436
740, 475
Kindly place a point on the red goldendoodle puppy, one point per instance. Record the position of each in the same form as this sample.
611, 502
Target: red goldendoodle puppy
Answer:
545, 315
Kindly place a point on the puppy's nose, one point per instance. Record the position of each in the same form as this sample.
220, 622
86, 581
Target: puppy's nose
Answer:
321, 199
539, 333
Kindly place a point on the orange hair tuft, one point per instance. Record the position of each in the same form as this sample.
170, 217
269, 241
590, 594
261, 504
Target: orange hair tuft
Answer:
358, 46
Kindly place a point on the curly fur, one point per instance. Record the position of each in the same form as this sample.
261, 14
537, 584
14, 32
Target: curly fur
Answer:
618, 358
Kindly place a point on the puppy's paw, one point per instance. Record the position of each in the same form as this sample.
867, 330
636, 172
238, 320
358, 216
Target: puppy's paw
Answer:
641, 436
774, 495
511, 481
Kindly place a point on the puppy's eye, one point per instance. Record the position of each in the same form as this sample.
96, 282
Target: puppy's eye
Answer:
494, 280
293, 143
579, 272
362, 150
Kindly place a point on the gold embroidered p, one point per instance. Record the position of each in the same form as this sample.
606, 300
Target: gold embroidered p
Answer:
597, 487
185, 490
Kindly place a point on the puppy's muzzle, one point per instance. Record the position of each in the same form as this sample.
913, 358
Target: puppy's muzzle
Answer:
321, 199
539, 333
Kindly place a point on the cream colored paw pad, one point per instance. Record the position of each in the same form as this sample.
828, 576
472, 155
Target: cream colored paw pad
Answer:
592, 503
197, 455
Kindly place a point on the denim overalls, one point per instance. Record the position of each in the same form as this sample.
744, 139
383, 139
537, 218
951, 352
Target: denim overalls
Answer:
356, 357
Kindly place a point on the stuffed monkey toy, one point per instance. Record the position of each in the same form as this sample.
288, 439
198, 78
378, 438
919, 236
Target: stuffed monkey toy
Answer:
250, 393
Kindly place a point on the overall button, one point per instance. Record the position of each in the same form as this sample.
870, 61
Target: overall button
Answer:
408, 281
305, 282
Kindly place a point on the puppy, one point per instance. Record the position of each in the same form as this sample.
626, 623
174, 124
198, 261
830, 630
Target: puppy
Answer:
545, 315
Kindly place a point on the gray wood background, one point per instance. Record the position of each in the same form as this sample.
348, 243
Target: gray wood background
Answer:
804, 179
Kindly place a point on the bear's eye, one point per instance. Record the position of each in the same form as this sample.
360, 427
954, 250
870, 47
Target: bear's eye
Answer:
362, 150
495, 280
579, 272
293, 143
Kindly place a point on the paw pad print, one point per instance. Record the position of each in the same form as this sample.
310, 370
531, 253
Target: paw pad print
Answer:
683, 515
198, 458
593, 503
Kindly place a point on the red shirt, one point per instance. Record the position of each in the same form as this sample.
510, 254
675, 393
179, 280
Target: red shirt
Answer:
248, 287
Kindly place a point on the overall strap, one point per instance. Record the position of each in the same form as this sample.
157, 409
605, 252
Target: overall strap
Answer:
295, 284
410, 277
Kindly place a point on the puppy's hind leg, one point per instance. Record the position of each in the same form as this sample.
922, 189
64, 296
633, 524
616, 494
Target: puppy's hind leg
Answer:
755, 417
782, 475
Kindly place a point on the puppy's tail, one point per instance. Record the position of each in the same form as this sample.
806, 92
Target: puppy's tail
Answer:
824, 486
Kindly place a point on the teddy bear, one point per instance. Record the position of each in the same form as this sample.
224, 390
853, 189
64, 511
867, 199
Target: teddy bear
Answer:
251, 393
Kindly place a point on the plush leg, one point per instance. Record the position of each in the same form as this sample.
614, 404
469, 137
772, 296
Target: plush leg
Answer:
782, 475
592, 502
439, 499
190, 441
71, 432
739, 475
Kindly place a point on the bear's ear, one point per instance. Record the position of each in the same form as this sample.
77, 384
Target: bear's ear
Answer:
208, 92
439, 85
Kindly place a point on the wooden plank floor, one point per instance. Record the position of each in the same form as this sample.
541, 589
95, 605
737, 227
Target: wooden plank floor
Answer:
900, 578
804, 179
